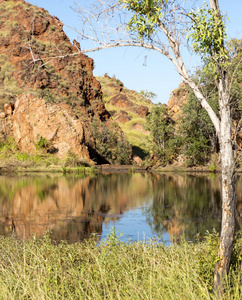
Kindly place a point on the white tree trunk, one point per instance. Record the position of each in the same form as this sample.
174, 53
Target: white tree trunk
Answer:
228, 189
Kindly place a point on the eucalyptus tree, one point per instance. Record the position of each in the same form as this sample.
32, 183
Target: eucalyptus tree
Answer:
162, 26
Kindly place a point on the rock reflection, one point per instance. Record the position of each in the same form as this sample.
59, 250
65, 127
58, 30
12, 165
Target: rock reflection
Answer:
73, 208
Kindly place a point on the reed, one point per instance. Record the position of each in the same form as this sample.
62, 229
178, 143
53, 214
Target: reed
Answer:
41, 269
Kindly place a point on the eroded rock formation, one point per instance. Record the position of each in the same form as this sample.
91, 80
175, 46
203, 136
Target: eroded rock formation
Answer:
33, 118
61, 99
177, 98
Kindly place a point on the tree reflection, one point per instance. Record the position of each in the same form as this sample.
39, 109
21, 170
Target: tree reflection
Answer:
187, 205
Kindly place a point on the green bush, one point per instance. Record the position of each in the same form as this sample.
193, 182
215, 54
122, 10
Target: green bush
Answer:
111, 143
46, 145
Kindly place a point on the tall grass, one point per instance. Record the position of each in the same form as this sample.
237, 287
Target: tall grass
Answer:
39, 269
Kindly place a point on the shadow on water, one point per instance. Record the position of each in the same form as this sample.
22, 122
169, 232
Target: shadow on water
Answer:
73, 208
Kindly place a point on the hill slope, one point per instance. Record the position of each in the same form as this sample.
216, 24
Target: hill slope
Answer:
129, 109
38, 60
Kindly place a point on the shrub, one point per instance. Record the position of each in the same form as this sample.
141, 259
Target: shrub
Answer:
46, 145
111, 143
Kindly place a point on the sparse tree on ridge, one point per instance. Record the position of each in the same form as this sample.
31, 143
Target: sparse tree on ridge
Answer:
162, 25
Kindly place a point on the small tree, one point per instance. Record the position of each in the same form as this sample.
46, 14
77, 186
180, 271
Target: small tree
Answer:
197, 133
162, 130
161, 25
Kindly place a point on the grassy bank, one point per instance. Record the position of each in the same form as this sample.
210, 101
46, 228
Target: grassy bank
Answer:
39, 269
12, 160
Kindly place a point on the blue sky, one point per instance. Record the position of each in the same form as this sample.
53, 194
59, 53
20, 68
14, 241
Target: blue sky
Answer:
127, 64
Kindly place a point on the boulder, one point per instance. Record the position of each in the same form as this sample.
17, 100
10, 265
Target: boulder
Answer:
142, 111
34, 119
122, 117
121, 100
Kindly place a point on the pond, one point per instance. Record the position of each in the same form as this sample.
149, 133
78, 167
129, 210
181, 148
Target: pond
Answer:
140, 206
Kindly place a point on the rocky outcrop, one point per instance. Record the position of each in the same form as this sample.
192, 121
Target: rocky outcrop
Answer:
38, 57
142, 111
122, 117
34, 119
121, 100
61, 99
176, 100
120, 97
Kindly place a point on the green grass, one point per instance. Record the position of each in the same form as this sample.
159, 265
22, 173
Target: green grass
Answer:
136, 138
40, 269
135, 121
12, 160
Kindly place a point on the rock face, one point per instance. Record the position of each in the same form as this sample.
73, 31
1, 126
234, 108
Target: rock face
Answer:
38, 57
33, 119
177, 98
61, 99
122, 117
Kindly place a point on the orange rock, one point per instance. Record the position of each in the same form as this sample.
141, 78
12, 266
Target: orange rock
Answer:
33, 118
8, 109
122, 117
121, 100
142, 111
177, 98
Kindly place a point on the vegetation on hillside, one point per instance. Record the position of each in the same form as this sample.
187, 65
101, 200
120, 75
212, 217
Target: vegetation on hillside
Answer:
135, 126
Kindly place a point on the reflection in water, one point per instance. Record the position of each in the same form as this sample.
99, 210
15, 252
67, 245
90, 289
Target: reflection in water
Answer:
73, 208
185, 205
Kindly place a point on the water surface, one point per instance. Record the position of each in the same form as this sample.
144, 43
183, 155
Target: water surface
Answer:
139, 205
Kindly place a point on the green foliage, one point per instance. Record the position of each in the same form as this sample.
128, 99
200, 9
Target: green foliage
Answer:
73, 160
47, 95
195, 130
208, 34
148, 95
235, 73
111, 143
8, 146
212, 168
209, 257
8, 84
45, 145
146, 14
163, 141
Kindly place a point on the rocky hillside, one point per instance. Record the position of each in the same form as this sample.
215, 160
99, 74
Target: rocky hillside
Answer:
129, 109
48, 90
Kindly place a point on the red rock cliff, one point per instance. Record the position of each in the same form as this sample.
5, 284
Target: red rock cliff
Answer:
38, 59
